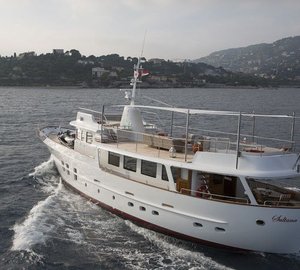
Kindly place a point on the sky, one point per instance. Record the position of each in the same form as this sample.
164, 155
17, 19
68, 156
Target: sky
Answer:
173, 29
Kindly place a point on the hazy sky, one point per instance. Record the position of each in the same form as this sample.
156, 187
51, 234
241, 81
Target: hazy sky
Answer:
176, 29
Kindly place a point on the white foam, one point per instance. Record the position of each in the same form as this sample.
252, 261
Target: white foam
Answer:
75, 235
42, 168
45, 175
177, 254
34, 229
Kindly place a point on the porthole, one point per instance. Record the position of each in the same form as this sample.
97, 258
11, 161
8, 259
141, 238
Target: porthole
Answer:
219, 229
130, 204
68, 172
155, 213
197, 224
142, 208
85, 184
98, 190
62, 163
260, 222
113, 197
75, 177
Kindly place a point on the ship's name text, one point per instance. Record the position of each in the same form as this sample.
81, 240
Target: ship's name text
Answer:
283, 219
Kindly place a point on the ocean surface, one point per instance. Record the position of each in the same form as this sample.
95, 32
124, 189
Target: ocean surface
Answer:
44, 225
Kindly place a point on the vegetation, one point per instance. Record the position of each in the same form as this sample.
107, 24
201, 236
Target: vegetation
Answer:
278, 62
73, 69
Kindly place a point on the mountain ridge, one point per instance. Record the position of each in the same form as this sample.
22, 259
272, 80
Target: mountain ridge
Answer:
278, 61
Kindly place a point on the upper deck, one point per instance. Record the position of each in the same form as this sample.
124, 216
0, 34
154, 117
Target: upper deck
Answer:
214, 150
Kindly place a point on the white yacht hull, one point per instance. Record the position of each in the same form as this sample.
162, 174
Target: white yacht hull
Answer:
206, 221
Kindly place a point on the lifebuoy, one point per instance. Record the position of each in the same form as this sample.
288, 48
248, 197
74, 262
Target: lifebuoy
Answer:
197, 147
202, 191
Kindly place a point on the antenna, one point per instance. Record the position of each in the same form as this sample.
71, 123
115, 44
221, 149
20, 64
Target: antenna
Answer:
144, 43
136, 73
158, 101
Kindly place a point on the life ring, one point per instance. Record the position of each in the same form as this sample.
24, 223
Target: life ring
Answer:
202, 191
197, 147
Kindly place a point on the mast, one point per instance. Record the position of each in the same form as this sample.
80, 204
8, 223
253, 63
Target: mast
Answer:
136, 73
135, 80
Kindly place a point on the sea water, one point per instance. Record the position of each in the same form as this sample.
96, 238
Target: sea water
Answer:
44, 225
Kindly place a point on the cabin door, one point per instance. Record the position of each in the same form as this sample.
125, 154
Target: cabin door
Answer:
229, 186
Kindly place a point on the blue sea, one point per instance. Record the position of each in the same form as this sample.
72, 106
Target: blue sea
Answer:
44, 225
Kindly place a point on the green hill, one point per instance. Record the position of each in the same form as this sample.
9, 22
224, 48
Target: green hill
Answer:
278, 61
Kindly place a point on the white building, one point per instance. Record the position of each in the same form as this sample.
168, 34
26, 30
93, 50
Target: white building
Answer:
58, 51
98, 71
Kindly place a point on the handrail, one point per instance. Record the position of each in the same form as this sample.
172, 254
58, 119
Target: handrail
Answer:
89, 110
233, 142
211, 144
210, 196
282, 204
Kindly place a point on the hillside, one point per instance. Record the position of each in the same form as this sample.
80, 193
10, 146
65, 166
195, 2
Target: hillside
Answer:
73, 69
278, 61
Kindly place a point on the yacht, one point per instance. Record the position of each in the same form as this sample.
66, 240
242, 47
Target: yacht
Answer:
224, 189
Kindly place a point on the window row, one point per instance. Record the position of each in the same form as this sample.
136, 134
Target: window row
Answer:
148, 168
66, 167
142, 208
84, 136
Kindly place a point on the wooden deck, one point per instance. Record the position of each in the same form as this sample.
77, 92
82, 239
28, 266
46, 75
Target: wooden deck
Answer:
146, 150
140, 148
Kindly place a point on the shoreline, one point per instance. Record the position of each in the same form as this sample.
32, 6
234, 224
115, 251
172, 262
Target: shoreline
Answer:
212, 86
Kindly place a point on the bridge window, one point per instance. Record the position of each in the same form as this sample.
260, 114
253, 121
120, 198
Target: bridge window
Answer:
130, 163
164, 175
113, 159
89, 137
82, 135
148, 168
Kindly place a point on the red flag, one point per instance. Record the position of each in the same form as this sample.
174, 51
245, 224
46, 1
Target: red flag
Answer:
144, 72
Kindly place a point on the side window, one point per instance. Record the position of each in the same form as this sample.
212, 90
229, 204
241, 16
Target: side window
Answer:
175, 173
148, 168
89, 137
78, 134
82, 135
164, 175
130, 163
113, 159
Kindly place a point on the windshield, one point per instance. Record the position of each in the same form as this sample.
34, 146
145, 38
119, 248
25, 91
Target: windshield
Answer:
279, 192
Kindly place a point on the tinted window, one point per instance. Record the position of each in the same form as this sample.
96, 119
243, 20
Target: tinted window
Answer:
164, 175
113, 159
130, 163
148, 168
175, 173
89, 137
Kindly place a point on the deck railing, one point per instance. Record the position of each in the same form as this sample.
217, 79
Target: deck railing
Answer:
212, 196
195, 143
282, 204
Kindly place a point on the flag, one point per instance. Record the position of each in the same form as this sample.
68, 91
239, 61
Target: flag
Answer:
143, 72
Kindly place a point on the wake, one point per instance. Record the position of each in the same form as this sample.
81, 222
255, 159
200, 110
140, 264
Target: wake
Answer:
35, 228
177, 255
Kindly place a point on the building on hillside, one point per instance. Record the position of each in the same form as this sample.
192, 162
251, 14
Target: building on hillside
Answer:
156, 60
85, 62
26, 54
97, 72
58, 51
